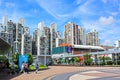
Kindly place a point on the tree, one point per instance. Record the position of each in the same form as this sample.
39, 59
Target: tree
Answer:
15, 58
30, 59
76, 59
87, 59
3, 58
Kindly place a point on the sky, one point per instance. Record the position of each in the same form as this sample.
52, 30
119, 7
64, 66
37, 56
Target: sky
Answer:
102, 15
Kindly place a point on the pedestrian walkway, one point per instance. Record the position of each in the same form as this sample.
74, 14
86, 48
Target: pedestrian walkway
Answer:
54, 71
97, 75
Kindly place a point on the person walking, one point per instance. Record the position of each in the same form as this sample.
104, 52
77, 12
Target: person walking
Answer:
37, 68
22, 68
13, 68
26, 67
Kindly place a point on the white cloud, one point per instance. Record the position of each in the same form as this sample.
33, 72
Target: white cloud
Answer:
113, 13
105, 20
61, 9
9, 4
57, 9
78, 1
84, 9
108, 42
113, 2
104, 1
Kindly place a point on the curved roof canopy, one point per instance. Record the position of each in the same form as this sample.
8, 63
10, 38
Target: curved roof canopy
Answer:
88, 47
4, 46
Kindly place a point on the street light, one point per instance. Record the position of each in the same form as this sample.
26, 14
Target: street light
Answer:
39, 41
45, 50
115, 55
115, 58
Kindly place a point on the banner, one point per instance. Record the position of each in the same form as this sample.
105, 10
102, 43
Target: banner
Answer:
69, 49
22, 58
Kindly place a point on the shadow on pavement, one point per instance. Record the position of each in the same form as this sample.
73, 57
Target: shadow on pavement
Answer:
6, 75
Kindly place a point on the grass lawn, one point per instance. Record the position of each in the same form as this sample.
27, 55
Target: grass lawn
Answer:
41, 67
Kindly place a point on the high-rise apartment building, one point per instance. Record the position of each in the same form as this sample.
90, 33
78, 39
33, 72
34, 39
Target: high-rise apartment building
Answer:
53, 33
46, 38
82, 35
18, 31
34, 42
41, 39
22, 21
59, 39
13, 34
42, 43
92, 38
74, 34
117, 44
27, 41
47, 34
4, 22
1, 27
4, 34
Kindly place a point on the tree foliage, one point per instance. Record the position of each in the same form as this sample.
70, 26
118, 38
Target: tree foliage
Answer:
30, 59
15, 58
87, 59
76, 59
3, 58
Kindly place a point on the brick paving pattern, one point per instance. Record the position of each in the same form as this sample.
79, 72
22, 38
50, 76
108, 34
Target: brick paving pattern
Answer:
53, 70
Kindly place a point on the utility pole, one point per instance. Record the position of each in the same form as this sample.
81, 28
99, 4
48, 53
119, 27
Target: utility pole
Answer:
22, 44
45, 48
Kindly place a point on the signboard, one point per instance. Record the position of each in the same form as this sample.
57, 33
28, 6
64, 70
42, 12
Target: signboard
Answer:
69, 49
115, 55
22, 58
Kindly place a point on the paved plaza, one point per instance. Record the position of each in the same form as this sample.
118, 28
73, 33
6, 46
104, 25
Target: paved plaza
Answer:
69, 73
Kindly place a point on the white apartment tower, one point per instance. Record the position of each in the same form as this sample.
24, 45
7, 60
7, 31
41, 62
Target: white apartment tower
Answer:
27, 40
22, 21
34, 42
4, 22
39, 34
74, 34
82, 35
92, 38
43, 44
16, 30
117, 44
53, 36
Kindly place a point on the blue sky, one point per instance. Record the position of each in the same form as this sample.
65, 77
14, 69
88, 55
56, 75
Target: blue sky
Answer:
102, 15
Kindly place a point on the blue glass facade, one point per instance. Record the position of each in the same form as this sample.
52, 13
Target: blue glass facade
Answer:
62, 49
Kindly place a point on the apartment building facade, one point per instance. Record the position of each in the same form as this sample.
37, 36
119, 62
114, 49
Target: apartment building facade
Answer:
74, 34
92, 38
53, 36
12, 33
117, 44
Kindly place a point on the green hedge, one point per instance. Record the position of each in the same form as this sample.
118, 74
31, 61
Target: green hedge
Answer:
3, 58
32, 67
109, 62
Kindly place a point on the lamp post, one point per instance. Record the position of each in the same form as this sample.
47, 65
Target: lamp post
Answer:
115, 58
115, 55
22, 45
39, 34
16, 41
45, 50
38, 43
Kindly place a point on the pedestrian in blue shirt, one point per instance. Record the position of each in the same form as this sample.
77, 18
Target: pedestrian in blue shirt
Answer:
37, 68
